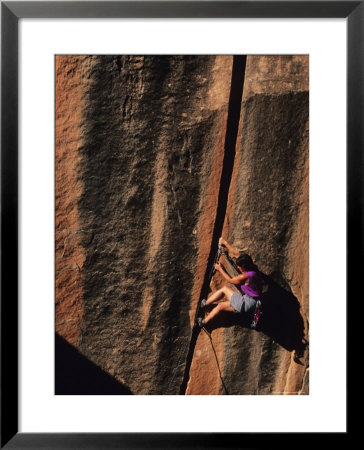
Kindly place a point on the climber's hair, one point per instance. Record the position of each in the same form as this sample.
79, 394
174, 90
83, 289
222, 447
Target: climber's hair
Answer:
245, 262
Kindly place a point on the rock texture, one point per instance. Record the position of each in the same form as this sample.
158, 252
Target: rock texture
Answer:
156, 157
267, 216
72, 73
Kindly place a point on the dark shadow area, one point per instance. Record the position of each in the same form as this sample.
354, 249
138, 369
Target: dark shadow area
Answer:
281, 319
76, 375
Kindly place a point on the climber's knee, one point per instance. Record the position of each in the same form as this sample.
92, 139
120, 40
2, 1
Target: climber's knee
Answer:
220, 307
224, 306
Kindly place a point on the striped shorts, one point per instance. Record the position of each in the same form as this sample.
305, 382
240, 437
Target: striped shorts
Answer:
243, 303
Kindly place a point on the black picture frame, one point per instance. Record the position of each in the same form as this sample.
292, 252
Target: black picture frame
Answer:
11, 12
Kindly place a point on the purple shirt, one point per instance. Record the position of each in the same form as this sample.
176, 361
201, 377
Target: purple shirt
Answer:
254, 287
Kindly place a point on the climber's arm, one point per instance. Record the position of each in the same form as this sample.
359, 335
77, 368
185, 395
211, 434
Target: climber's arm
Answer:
235, 280
230, 249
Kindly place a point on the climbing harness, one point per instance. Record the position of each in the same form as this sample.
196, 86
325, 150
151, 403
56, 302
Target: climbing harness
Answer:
257, 315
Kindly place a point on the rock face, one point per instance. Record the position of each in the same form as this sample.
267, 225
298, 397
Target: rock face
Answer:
72, 74
156, 157
267, 216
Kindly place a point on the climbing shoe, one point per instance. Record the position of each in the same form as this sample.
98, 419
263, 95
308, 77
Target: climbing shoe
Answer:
200, 322
203, 303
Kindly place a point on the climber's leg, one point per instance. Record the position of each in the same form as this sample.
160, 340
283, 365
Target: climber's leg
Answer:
222, 306
228, 292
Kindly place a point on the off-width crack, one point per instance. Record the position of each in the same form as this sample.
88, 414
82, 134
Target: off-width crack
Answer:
232, 126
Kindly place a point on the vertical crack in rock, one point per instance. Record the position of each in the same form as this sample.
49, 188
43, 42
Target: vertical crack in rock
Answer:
151, 159
267, 216
149, 128
235, 100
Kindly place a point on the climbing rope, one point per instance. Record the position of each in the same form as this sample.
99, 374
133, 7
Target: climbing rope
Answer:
217, 361
217, 255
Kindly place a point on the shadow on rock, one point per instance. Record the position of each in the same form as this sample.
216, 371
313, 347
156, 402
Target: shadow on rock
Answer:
281, 319
76, 375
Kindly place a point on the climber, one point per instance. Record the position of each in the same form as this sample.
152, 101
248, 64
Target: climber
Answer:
249, 280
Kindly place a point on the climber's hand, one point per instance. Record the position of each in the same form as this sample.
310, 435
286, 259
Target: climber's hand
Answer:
217, 266
222, 241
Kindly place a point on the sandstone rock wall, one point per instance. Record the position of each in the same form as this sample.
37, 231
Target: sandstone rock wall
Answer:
268, 218
72, 76
141, 174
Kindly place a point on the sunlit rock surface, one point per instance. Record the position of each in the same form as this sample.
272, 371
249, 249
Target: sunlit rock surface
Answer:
140, 146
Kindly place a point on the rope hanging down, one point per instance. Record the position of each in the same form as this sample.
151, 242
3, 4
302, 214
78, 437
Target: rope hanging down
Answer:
212, 271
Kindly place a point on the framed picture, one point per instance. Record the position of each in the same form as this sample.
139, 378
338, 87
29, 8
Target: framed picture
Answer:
174, 169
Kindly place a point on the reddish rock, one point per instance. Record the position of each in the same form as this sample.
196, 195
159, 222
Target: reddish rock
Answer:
152, 130
72, 73
140, 147
267, 216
